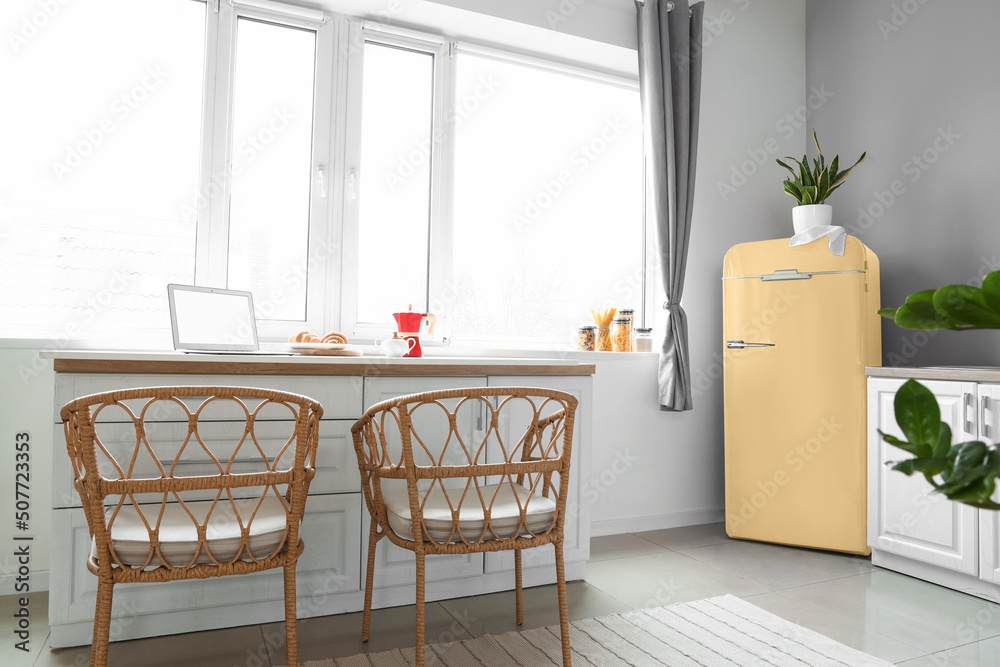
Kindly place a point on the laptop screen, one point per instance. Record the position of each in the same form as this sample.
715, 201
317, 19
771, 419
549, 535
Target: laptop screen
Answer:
207, 318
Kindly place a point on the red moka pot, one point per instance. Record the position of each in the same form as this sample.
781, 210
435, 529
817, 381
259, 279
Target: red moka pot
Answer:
408, 325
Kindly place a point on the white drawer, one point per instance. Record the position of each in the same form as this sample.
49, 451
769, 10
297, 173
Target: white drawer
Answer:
339, 396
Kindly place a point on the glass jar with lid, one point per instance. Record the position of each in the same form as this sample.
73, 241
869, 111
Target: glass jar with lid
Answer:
622, 334
643, 339
585, 339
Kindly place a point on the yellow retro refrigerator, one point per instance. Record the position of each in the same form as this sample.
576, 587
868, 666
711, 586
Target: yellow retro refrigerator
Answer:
800, 324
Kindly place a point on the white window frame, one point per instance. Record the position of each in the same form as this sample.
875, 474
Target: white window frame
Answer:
323, 250
440, 255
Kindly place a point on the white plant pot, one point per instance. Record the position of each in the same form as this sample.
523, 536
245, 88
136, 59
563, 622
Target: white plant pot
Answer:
811, 215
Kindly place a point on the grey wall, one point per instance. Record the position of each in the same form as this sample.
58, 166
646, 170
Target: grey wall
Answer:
915, 84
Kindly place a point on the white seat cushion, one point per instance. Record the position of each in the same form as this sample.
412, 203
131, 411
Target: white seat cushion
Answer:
178, 535
505, 516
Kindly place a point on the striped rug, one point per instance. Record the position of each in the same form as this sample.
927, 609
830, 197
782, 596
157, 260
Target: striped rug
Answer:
708, 633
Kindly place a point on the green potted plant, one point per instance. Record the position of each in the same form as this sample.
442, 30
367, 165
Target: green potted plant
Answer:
810, 187
965, 472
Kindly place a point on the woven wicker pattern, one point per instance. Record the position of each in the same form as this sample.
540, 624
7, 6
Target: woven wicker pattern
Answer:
421, 443
191, 455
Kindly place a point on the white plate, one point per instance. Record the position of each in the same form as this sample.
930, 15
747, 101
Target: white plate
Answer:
317, 346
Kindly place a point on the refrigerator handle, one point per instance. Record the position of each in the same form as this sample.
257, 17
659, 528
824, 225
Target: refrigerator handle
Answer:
739, 345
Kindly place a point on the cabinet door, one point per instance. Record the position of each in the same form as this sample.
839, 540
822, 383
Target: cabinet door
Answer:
904, 516
989, 521
329, 566
576, 547
395, 566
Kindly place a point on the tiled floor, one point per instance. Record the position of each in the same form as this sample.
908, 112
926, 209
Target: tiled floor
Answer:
894, 617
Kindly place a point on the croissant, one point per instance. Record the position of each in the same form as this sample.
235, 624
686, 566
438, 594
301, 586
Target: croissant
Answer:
335, 337
304, 337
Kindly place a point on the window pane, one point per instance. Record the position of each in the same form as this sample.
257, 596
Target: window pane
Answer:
100, 164
271, 166
395, 181
548, 201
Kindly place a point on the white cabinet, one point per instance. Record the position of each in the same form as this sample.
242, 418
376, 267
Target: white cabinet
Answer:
989, 522
907, 518
910, 528
336, 525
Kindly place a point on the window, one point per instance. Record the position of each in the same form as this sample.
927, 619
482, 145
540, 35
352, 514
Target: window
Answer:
502, 193
126, 174
547, 199
95, 167
339, 171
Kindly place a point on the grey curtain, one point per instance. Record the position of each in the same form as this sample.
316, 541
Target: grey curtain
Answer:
670, 85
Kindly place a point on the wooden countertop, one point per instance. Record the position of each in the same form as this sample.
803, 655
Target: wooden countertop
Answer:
99, 361
957, 373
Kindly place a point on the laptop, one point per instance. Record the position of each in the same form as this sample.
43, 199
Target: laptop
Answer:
213, 320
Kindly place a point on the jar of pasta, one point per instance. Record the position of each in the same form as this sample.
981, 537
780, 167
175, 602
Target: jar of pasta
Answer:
643, 340
622, 334
585, 339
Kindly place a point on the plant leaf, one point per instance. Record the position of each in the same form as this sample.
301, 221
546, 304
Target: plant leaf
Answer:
918, 414
943, 446
842, 175
991, 290
922, 315
816, 141
966, 305
793, 190
808, 194
787, 167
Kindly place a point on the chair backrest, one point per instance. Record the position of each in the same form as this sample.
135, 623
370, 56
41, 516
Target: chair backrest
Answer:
211, 456
471, 447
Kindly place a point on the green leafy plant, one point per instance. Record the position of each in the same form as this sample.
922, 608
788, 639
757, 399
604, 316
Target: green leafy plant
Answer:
965, 472
956, 307
812, 185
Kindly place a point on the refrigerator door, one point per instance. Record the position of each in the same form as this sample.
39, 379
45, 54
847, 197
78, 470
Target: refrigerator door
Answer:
795, 407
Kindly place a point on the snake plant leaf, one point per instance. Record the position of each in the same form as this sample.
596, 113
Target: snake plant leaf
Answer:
816, 142
793, 190
839, 178
804, 172
808, 194
966, 305
823, 187
918, 414
991, 290
787, 167
834, 167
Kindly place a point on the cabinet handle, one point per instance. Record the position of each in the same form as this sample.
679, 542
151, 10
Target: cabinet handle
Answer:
967, 403
984, 422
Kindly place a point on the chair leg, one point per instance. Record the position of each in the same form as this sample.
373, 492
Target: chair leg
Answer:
563, 607
519, 598
291, 617
366, 619
102, 623
419, 648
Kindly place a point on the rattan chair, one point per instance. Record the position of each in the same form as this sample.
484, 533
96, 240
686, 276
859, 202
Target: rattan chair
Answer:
173, 489
433, 488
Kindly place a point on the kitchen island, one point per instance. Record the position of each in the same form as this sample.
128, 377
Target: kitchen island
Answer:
335, 528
